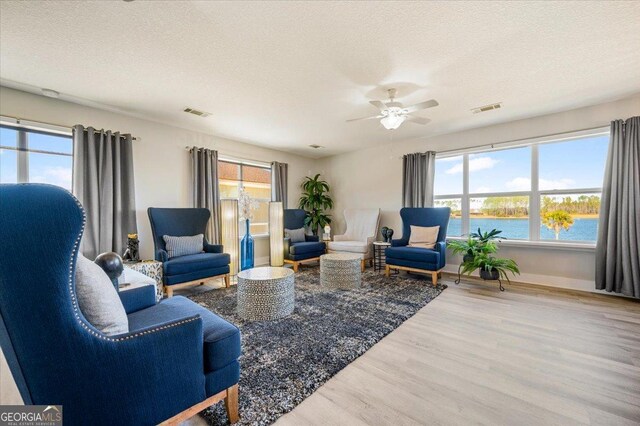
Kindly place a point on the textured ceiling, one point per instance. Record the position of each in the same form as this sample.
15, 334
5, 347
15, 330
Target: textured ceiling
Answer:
288, 74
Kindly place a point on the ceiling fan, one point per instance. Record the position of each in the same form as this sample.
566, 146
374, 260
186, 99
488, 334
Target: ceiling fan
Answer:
393, 114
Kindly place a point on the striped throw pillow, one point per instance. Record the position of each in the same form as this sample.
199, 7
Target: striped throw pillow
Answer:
182, 246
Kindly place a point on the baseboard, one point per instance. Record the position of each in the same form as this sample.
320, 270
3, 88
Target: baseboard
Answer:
549, 281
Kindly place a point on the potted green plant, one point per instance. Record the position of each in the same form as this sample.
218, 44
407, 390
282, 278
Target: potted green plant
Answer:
315, 200
491, 268
476, 253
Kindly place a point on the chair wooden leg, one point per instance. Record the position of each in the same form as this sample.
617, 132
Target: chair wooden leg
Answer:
362, 265
434, 278
169, 291
227, 281
387, 271
231, 404
295, 266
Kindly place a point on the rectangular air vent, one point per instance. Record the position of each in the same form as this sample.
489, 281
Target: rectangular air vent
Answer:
486, 108
197, 112
314, 146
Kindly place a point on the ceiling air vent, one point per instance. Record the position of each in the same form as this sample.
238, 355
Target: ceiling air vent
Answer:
314, 146
486, 108
197, 112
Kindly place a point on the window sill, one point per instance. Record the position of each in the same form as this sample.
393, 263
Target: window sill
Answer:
256, 236
573, 246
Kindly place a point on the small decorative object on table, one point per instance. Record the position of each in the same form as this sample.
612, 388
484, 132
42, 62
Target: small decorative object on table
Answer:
152, 269
387, 233
266, 293
246, 205
111, 264
326, 235
132, 253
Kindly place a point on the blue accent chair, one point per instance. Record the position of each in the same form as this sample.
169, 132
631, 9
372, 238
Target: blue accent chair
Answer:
416, 259
182, 271
177, 359
304, 251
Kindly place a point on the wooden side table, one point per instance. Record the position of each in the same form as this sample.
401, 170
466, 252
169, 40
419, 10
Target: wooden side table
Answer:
379, 256
152, 269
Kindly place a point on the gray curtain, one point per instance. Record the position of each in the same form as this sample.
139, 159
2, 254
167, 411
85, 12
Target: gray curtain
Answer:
279, 182
103, 182
206, 193
418, 171
618, 246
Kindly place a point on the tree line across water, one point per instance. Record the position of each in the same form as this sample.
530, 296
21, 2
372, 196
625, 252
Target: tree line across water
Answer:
518, 206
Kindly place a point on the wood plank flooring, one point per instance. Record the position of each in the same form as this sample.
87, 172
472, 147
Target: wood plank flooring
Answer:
529, 356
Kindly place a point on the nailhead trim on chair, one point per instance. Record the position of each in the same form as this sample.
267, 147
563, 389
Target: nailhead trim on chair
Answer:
76, 309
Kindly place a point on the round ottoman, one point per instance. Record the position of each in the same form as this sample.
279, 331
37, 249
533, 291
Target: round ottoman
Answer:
340, 270
265, 293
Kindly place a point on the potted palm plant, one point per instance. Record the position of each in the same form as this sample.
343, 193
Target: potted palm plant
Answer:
315, 200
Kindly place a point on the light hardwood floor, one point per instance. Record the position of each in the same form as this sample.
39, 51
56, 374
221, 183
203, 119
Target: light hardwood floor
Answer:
528, 356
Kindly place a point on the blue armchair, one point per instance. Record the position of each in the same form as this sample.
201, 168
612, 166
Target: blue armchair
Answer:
183, 271
417, 259
177, 359
304, 251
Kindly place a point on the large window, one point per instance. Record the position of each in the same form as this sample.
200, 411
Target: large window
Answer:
257, 182
28, 155
544, 190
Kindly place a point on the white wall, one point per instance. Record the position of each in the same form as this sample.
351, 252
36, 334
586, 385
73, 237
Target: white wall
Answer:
161, 163
373, 178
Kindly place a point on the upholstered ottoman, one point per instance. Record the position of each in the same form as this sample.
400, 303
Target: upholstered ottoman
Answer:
340, 270
266, 293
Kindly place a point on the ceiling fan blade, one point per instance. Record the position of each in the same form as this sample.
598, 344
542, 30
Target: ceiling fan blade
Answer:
422, 105
379, 104
365, 118
416, 119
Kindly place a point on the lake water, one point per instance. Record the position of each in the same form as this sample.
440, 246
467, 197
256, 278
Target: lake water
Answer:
581, 230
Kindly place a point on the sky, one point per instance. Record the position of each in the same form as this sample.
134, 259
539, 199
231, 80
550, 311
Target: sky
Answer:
578, 163
43, 168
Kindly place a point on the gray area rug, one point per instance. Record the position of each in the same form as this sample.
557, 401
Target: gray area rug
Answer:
285, 361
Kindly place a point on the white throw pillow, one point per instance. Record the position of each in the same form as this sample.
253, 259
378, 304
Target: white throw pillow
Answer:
424, 236
98, 299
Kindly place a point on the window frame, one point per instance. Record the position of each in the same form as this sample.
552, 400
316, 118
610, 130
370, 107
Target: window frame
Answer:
534, 194
241, 163
22, 147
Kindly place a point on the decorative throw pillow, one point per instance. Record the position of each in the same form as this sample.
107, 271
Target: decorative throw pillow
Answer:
295, 235
424, 236
182, 246
98, 299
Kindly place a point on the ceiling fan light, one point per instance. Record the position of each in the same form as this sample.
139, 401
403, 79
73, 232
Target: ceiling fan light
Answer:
392, 121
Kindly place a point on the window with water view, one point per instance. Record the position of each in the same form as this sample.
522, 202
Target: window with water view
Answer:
543, 191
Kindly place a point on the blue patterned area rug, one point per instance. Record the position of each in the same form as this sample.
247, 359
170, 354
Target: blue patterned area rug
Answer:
286, 360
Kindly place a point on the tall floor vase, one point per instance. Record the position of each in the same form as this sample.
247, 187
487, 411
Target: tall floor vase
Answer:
246, 249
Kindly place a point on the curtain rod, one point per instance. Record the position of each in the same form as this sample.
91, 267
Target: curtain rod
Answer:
523, 140
18, 119
231, 158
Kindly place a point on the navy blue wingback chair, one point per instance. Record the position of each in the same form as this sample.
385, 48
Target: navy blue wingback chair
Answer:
417, 259
186, 270
177, 358
304, 251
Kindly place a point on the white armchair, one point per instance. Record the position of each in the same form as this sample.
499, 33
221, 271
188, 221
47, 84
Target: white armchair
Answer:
362, 229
